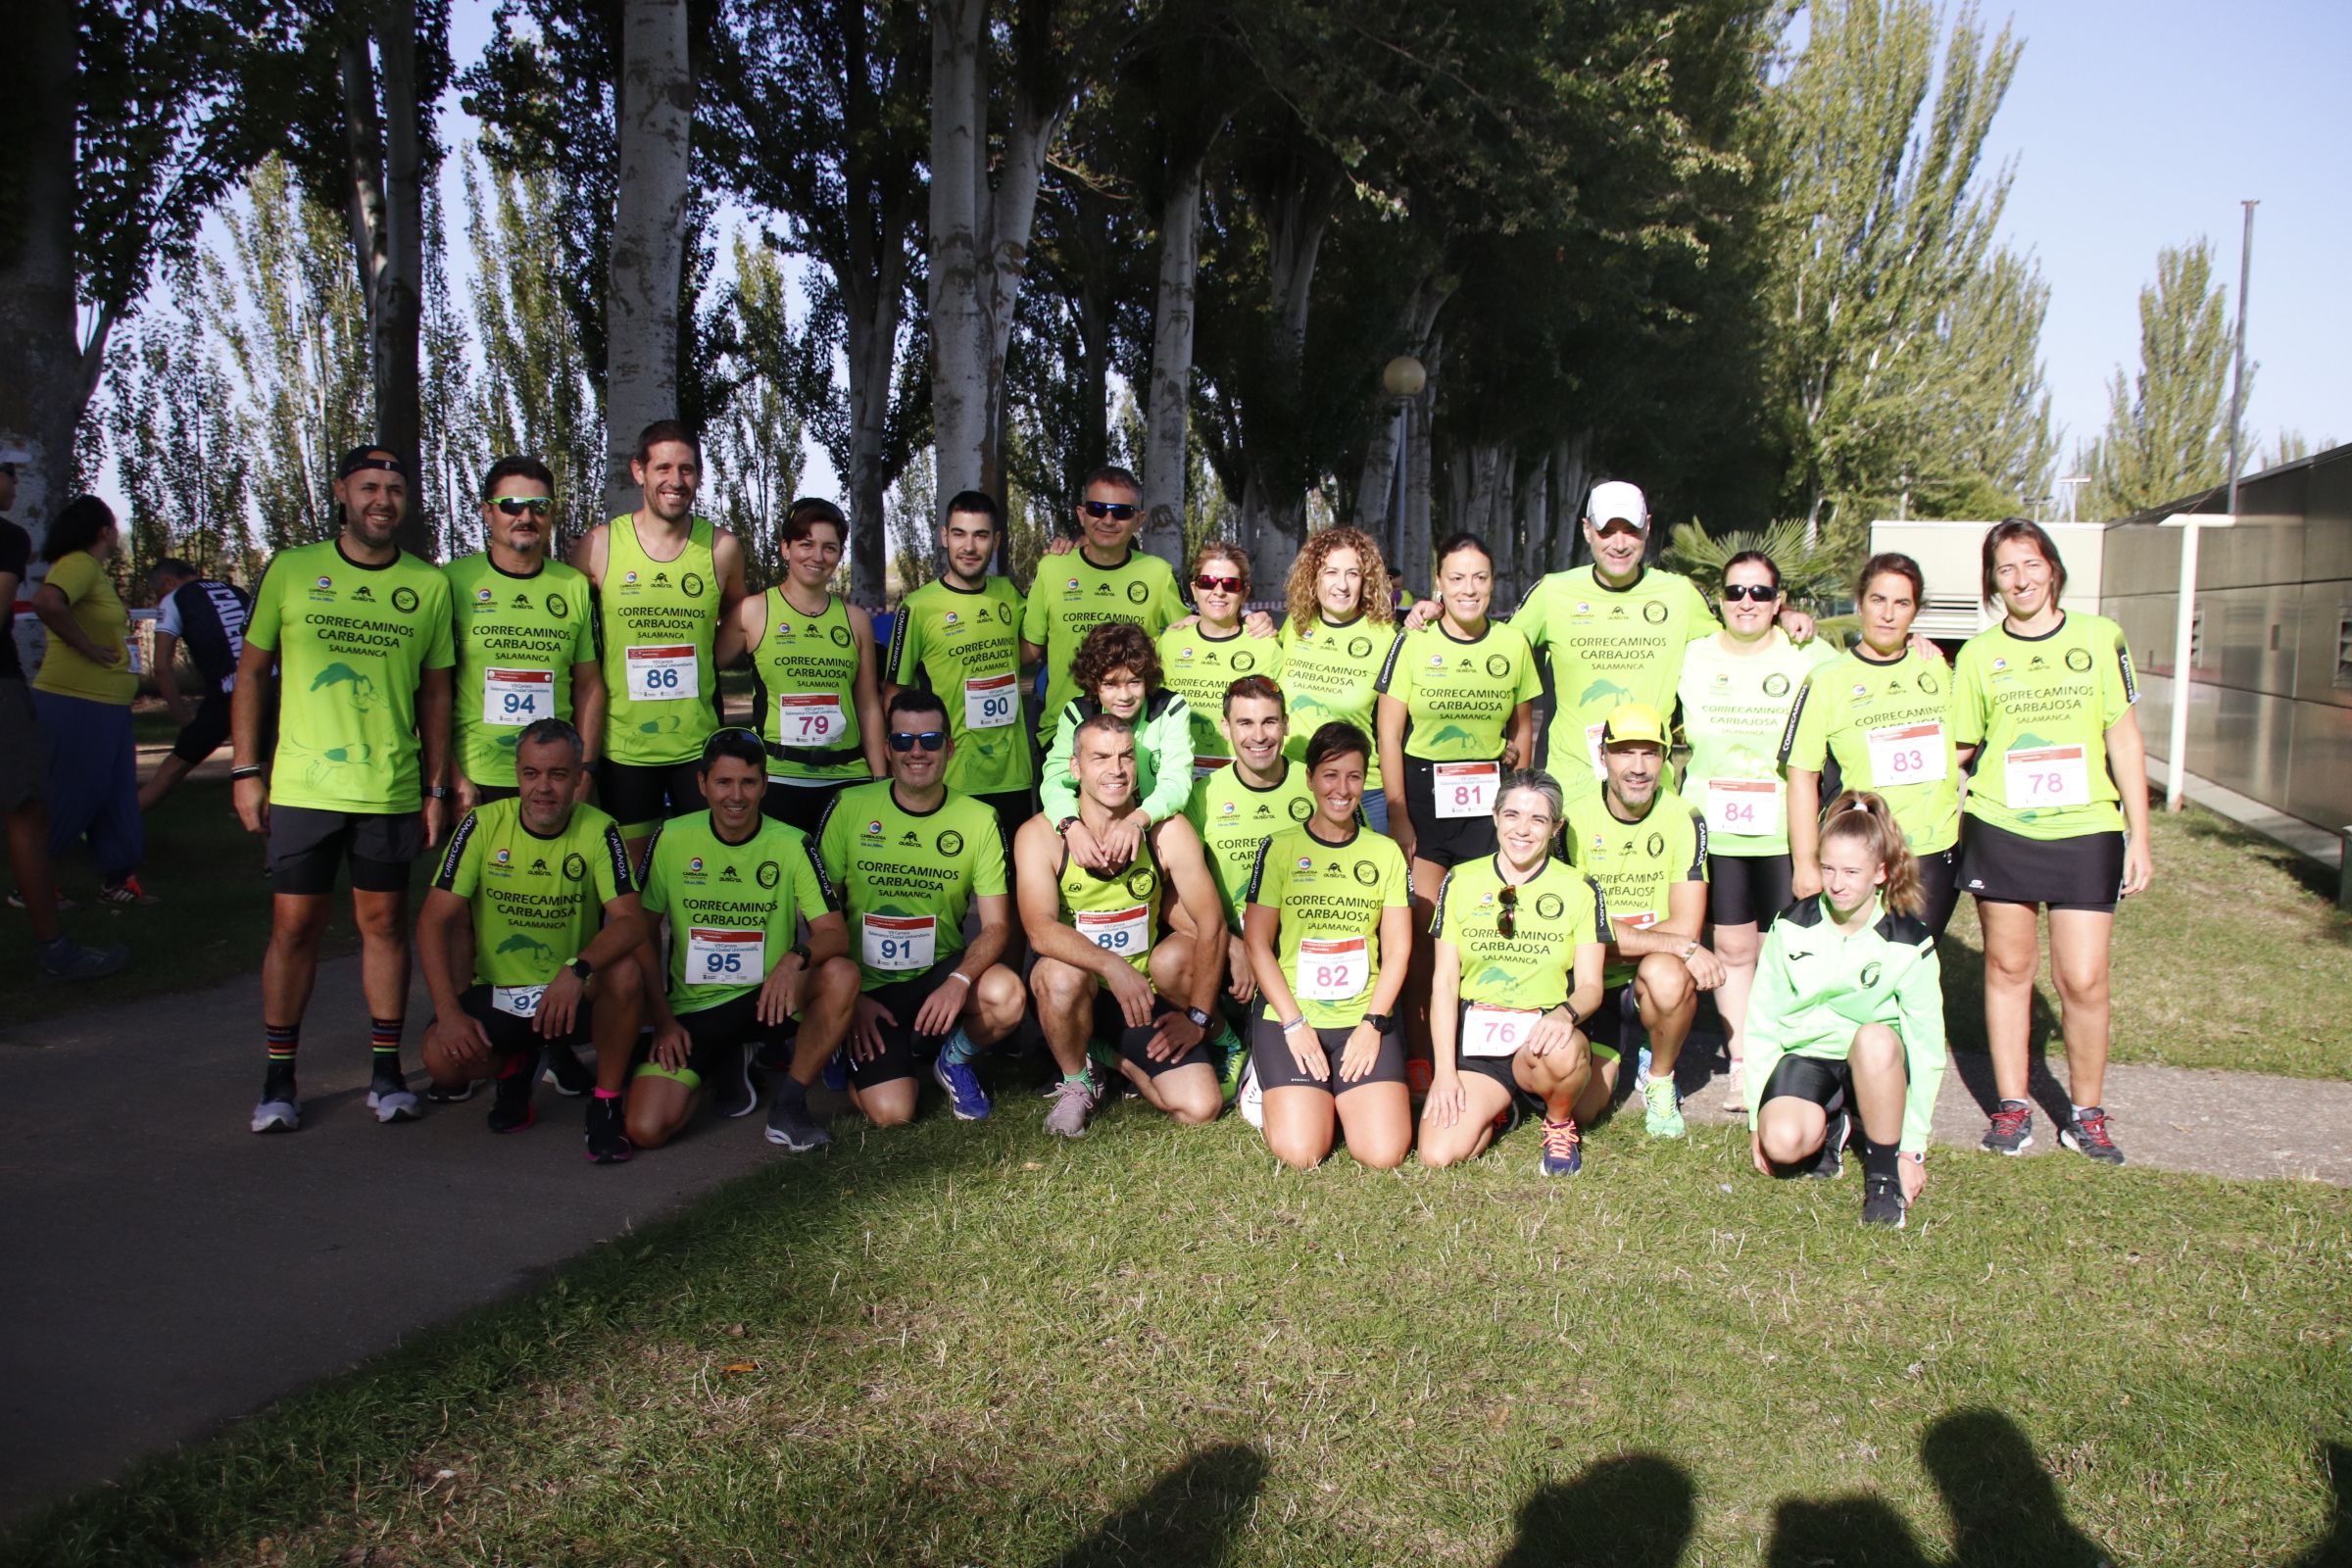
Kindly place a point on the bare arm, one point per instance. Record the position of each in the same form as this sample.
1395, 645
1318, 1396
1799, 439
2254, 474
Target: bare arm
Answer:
1178, 850
1520, 735
1396, 951
588, 554
1037, 853
167, 676
866, 692
443, 922
2128, 761
726, 559
245, 709
588, 708
1389, 719
1260, 924
1804, 831
988, 943
741, 626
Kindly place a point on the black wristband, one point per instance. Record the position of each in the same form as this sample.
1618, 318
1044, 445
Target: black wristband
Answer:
245, 770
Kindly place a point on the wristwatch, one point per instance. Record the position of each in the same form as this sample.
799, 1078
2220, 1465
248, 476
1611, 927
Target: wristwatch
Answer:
436, 792
1062, 827
800, 951
583, 968
1200, 1018
1382, 1021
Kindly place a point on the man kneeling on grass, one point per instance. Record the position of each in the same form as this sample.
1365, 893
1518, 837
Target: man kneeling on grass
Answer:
527, 883
1106, 964
735, 885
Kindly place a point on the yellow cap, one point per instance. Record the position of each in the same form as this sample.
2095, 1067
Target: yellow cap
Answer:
1633, 721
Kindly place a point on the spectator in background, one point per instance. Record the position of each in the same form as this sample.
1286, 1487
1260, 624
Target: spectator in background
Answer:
83, 695
208, 616
23, 778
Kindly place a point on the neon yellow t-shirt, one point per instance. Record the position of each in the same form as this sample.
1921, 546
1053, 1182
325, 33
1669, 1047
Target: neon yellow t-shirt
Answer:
1329, 898
1071, 596
1866, 714
1331, 671
1234, 818
1199, 667
964, 645
1554, 913
518, 640
1459, 696
1636, 864
98, 611
907, 878
1735, 712
536, 902
1607, 646
734, 908
2041, 708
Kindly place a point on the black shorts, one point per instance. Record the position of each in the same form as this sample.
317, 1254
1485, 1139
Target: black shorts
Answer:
1826, 1083
1615, 1032
1110, 1023
1012, 809
902, 1047
202, 735
641, 797
511, 1036
718, 1037
2084, 872
1442, 840
1939, 880
1749, 889
803, 806
23, 749
306, 846
1497, 1068
486, 793
1270, 1059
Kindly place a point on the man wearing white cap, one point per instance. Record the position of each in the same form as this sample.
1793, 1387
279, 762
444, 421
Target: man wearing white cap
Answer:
1615, 631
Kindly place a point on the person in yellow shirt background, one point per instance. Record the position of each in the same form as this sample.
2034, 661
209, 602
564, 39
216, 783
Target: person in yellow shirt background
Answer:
83, 695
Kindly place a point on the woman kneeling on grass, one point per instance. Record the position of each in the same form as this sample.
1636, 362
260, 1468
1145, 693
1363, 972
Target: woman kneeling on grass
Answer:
1857, 1028
1328, 926
1520, 948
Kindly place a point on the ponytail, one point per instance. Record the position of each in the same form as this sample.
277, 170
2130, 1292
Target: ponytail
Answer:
1866, 818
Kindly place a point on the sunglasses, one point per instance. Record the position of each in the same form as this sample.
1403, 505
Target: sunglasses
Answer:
1508, 915
930, 740
1121, 510
1761, 592
517, 506
1218, 585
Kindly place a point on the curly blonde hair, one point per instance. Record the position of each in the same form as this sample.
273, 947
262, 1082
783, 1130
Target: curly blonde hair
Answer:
1306, 605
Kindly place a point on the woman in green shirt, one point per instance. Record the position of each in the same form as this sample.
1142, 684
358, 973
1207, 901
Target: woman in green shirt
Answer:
1340, 624
1202, 655
83, 695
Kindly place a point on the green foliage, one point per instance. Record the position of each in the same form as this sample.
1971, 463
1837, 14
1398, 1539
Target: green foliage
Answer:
1814, 569
2168, 428
182, 454
753, 449
452, 451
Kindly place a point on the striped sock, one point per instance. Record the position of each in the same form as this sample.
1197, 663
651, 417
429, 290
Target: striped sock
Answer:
280, 1040
383, 1045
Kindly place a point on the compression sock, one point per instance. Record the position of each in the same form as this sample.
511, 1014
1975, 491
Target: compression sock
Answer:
383, 1046
792, 1090
1881, 1160
281, 1039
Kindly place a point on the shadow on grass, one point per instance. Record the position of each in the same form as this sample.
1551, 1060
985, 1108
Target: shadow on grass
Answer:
1190, 1517
2316, 879
1633, 1511
1857, 1532
2005, 1508
1963, 969
2334, 1548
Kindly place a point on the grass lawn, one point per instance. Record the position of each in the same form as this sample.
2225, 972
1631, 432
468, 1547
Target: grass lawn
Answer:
969, 1344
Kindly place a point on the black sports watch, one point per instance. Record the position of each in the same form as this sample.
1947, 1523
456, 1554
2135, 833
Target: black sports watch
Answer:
583, 968
436, 792
1199, 1019
1382, 1021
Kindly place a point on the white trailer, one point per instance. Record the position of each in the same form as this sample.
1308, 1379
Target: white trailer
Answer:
1952, 556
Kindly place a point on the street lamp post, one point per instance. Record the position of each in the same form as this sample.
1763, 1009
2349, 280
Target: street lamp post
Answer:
1402, 377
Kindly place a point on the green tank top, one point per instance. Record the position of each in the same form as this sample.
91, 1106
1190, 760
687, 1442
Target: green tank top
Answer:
657, 622
804, 674
1117, 911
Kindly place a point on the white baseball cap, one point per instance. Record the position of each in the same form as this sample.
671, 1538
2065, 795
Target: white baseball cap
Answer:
1617, 500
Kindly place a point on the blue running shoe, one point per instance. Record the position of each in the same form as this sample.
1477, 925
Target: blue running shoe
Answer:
966, 1097
1563, 1149
836, 1071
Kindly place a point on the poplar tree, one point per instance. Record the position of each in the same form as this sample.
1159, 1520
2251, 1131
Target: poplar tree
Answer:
2168, 428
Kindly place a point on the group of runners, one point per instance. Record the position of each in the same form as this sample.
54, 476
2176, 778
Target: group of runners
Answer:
1306, 869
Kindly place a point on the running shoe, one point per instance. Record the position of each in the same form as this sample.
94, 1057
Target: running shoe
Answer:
836, 1075
125, 893
607, 1141
966, 1097
1830, 1163
2085, 1132
1074, 1100
562, 1066
2012, 1129
511, 1110
449, 1094
277, 1110
391, 1099
1883, 1201
15, 901
731, 1088
1665, 1108
68, 959
1563, 1149
790, 1124
1251, 1101
1232, 1058
1735, 1087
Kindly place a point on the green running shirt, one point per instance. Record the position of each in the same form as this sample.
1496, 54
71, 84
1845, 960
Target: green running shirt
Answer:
1865, 713
1071, 596
536, 902
1635, 864
1331, 671
804, 689
905, 877
1735, 716
352, 643
2042, 707
964, 645
1607, 646
1329, 898
1119, 910
517, 639
1234, 818
734, 908
1198, 667
1885, 973
1554, 913
1458, 696
657, 622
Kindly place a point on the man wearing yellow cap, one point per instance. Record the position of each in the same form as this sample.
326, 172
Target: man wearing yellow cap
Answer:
1647, 853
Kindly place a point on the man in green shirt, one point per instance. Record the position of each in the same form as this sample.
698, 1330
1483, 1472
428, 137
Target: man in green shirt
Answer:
734, 885
1646, 851
525, 635
911, 858
358, 634
960, 638
528, 942
1105, 578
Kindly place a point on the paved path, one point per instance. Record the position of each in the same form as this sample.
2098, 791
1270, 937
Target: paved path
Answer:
169, 1271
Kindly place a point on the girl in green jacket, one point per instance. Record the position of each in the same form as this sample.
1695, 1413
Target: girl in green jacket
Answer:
1117, 672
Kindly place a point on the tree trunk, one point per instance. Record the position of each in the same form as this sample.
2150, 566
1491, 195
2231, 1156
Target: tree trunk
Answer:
1376, 485
1297, 216
1413, 564
873, 331
648, 256
49, 381
397, 313
1571, 478
1171, 381
1535, 546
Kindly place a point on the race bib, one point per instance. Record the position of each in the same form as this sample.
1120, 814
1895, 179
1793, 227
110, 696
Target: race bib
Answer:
664, 675
1204, 767
992, 703
1495, 1031
1592, 734
2043, 776
901, 941
1464, 789
517, 696
1125, 932
1907, 754
517, 1001
1743, 808
717, 956
1641, 921
1331, 969
810, 719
